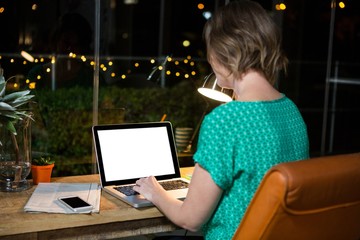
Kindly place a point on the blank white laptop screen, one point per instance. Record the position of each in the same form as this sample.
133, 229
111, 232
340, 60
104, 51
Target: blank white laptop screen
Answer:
135, 152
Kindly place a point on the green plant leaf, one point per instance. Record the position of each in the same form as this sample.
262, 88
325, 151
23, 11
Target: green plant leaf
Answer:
8, 114
7, 107
10, 126
22, 101
25, 114
42, 161
2, 87
16, 95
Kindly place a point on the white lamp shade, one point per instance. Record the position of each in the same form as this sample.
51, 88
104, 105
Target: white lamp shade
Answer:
211, 90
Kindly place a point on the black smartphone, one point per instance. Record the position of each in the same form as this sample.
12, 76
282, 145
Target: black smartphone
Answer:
75, 203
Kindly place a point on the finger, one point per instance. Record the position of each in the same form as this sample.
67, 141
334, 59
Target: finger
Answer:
143, 180
137, 183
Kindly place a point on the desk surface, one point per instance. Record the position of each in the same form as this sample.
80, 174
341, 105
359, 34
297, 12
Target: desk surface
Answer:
116, 218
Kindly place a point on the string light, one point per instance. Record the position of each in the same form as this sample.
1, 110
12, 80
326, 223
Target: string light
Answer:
32, 85
280, 6
186, 43
108, 64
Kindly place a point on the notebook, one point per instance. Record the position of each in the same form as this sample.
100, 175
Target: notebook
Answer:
129, 151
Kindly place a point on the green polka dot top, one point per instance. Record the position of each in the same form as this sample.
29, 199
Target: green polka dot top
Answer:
238, 143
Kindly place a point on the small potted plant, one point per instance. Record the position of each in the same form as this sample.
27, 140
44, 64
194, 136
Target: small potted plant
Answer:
41, 169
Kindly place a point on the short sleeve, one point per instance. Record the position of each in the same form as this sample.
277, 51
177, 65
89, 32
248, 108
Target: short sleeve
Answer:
215, 149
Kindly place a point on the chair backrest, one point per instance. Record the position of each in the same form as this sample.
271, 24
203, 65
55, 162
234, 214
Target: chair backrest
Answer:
318, 198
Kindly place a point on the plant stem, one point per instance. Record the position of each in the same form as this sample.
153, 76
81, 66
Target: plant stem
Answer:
18, 169
16, 148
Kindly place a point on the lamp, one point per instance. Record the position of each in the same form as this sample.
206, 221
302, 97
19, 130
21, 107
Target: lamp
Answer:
213, 91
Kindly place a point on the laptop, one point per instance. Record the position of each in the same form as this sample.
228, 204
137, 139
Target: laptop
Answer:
129, 151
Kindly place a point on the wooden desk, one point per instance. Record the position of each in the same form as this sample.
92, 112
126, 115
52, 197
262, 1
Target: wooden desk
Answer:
116, 219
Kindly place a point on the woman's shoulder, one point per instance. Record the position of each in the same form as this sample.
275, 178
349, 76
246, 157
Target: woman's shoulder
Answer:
242, 110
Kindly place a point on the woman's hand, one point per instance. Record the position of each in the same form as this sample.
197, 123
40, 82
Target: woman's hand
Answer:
148, 187
200, 203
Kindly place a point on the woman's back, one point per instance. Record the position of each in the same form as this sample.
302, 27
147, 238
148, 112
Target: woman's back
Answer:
239, 142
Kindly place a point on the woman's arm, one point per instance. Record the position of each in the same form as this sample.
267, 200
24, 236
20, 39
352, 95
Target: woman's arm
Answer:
200, 203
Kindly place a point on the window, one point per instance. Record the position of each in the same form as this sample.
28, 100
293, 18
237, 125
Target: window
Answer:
147, 58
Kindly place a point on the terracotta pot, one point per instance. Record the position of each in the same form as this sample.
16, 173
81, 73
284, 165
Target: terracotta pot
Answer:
41, 173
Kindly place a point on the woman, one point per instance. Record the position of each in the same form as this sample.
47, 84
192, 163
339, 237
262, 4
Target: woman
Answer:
240, 140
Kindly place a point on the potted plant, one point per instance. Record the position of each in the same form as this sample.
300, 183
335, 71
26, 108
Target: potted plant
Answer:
41, 169
15, 138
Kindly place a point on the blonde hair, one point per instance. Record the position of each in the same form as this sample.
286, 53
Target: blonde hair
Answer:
242, 36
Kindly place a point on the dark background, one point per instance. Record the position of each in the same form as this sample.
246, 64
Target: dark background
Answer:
132, 32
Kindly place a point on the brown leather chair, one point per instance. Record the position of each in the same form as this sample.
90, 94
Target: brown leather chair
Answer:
318, 198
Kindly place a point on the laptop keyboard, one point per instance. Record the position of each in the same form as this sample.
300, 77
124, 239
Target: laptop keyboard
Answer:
167, 185
174, 184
